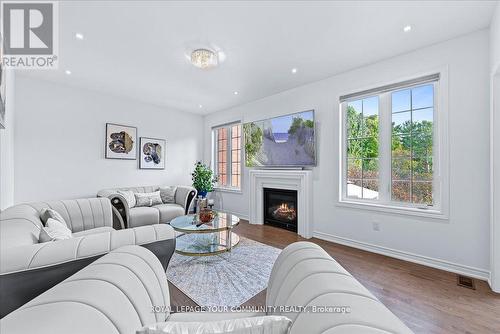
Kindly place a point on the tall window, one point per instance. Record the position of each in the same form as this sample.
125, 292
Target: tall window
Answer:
222, 144
362, 148
236, 155
389, 146
227, 155
412, 142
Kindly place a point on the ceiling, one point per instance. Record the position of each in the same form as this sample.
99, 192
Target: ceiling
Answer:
137, 49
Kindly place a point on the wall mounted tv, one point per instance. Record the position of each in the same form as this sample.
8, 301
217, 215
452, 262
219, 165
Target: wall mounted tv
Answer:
284, 141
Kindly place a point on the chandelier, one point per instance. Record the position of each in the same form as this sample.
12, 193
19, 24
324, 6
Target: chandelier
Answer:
204, 58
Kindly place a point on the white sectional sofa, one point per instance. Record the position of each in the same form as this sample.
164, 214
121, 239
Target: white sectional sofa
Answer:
117, 293
140, 216
28, 268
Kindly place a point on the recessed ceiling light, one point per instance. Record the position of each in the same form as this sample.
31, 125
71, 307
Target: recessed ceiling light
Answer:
407, 28
68, 72
200, 106
294, 70
79, 36
235, 93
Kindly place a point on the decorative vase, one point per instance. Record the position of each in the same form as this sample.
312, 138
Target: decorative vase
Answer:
202, 193
201, 203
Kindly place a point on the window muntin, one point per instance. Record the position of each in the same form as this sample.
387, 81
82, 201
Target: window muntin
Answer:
227, 155
406, 155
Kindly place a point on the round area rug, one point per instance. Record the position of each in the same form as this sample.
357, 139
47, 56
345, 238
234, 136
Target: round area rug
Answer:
228, 279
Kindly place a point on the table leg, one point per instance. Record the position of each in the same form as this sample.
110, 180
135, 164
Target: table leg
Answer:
228, 240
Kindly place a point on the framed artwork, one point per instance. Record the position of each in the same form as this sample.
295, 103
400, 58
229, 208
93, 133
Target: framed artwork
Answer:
152, 153
2, 86
121, 142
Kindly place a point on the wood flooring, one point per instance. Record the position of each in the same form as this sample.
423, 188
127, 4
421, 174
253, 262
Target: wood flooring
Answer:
428, 300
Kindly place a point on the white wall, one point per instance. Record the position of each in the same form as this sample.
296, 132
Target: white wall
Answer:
495, 38
59, 142
459, 244
7, 145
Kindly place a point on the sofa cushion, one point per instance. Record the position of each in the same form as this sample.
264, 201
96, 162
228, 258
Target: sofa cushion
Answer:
147, 199
168, 194
93, 231
48, 213
129, 197
55, 230
140, 216
169, 211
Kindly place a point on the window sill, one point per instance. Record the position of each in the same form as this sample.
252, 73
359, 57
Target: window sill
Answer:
228, 190
392, 209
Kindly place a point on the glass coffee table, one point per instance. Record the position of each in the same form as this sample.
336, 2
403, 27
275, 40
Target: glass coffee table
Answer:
203, 239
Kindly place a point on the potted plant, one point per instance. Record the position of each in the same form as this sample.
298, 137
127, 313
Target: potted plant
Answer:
203, 179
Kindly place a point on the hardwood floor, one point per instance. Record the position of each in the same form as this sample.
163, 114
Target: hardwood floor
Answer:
428, 300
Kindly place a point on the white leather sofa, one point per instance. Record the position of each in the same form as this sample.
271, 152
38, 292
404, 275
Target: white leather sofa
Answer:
28, 268
117, 293
139, 216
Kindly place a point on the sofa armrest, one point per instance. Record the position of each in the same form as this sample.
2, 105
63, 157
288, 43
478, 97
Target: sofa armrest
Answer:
116, 294
121, 210
27, 271
305, 275
184, 196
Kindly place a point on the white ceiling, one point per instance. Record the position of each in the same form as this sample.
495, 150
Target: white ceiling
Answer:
137, 48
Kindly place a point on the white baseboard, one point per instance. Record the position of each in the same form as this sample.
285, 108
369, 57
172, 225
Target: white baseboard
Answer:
406, 256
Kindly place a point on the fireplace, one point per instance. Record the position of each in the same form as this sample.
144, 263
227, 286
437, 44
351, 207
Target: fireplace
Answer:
280, 208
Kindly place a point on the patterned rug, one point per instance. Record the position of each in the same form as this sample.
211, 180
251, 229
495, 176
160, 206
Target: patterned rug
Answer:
228, 279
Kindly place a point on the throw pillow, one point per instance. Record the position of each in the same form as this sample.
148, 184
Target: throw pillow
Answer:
147, 199
48, 213
271, 324
55, 230
167, 194
129, 197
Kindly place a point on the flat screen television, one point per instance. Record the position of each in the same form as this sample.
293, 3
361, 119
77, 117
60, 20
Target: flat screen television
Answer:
284, 141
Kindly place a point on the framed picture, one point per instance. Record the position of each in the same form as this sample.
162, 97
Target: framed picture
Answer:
121, 142
152, 153
2, 86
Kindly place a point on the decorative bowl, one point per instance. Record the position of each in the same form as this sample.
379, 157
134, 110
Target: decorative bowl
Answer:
206, 215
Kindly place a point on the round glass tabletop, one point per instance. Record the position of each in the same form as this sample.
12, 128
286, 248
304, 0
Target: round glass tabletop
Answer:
192, 224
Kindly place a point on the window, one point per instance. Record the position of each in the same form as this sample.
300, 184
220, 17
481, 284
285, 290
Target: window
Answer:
412, 116
227, 155
390, 156
236, 155
362, 148
222, 145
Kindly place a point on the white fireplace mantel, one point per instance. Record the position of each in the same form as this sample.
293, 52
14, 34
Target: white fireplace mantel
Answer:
299, 180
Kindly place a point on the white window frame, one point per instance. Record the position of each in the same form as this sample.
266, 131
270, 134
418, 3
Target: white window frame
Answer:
440, 207
215, 165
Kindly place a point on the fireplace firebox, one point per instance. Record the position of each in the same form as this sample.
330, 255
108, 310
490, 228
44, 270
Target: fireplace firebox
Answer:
280, 208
